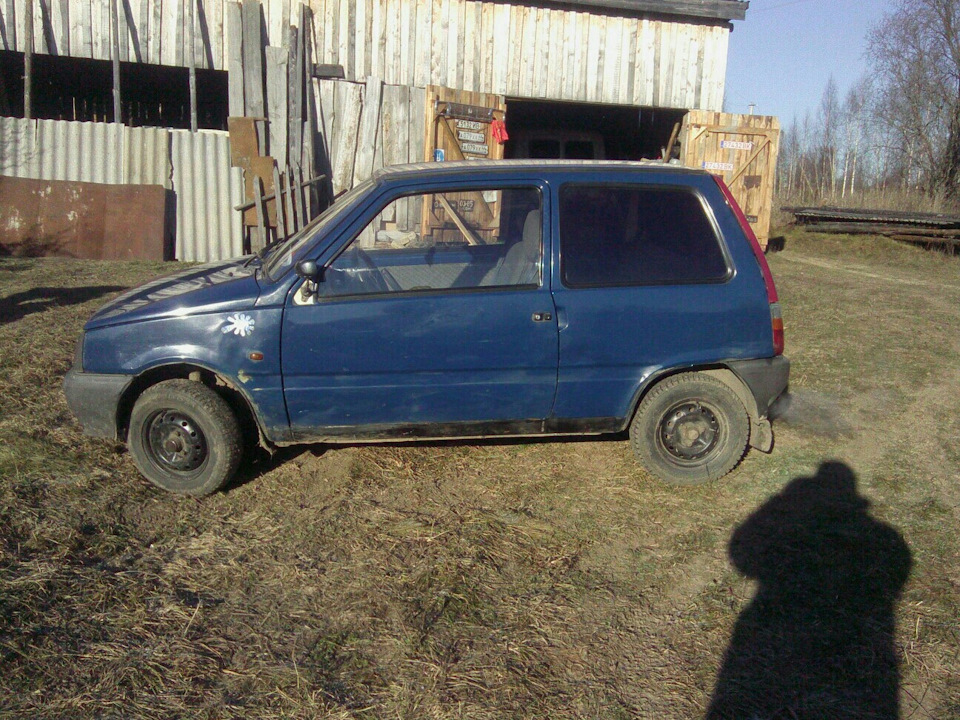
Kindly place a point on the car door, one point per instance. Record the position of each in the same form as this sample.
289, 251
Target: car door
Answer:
432, 320
646, 283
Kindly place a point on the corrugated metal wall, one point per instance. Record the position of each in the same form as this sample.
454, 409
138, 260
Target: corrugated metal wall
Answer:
196, 166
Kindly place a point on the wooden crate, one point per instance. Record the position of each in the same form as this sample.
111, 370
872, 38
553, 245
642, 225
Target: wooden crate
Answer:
743, 150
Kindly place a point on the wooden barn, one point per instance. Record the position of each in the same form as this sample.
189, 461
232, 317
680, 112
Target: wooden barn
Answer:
317, 95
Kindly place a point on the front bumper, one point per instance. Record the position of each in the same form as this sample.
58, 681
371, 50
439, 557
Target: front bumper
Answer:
94, 399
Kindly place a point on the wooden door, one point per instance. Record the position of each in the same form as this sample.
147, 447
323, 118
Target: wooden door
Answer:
743, 150
460, 127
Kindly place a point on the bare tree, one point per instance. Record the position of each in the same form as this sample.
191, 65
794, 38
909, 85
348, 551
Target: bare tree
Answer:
915, 51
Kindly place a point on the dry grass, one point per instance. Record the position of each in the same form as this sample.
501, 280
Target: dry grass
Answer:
547, 579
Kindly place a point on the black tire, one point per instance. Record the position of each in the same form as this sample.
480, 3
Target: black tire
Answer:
690, 428
185, 438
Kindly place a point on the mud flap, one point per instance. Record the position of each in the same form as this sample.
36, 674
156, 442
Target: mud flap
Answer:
761, 434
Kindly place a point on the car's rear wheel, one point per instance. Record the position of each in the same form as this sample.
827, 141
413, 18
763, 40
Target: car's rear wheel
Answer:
185, 438
690, 428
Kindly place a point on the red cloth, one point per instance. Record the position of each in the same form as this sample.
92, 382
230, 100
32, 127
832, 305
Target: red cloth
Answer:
498, 129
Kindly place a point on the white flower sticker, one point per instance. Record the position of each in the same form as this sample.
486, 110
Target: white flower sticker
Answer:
239, 324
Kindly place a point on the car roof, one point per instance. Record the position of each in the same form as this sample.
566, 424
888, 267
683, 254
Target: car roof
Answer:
428, 170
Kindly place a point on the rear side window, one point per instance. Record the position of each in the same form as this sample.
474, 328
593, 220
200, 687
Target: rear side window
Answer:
637, 235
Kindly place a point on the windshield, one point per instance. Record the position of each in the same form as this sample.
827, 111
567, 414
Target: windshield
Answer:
281, 255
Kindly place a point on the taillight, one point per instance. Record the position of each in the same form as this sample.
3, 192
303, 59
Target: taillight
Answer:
776, 319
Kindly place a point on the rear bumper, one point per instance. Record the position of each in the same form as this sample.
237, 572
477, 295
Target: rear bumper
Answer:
767, 378
94, 398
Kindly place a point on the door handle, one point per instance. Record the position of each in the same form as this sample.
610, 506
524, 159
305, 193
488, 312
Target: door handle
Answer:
542, 317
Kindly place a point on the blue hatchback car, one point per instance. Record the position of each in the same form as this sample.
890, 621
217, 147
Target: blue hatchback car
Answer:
456, 300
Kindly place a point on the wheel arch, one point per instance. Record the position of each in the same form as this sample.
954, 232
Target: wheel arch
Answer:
761, 436
236, 398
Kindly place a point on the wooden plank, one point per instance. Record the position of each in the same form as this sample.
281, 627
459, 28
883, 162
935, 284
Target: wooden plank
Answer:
421, 68
10, 26
378, 39
345, 135
28, 60
360, 39
295, 79
438, 49
277, 117
168, 19
542, 54
155, 48
41, 25
501, 49
369, 122
552, 86
115, 57
278, 194
123, 30
60, 18
390, 21
529, 51
471, 46
515, 66
291, 204
99, 29
309, 132
455, 43
487, 44
631, 28
611, 60
258, 193
234, 52
326, 115
331, 44
130, 20
254, 105
345, 39
297, 189
407, 44
217, 40
593, 59
570, 56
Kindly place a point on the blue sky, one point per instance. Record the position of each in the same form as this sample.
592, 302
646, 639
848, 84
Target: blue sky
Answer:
781, 56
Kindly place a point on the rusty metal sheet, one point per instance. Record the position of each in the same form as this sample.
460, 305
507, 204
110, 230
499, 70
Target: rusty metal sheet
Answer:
243, 141
261, 167
41, 218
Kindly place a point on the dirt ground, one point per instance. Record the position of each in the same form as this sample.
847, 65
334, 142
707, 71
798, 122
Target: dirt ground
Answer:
505, 579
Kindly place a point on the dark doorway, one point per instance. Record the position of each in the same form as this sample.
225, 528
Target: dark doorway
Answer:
584, 131
66, 88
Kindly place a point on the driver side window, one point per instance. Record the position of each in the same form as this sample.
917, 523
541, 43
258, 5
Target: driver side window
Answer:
463, 240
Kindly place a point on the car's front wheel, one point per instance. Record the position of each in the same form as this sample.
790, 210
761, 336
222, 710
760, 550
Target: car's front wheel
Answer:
185, 438
691, 428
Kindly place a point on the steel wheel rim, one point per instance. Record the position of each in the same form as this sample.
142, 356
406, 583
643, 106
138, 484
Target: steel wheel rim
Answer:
176, 442
689, 431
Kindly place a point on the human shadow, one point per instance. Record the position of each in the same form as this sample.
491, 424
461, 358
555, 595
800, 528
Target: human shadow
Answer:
19, 305
817, 641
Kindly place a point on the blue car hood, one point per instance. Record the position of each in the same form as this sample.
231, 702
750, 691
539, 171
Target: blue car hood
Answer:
217, 287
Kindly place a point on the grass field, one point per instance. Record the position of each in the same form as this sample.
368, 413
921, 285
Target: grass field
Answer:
508, 579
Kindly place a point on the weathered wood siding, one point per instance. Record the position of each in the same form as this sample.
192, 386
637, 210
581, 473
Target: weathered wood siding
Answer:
366, 126
492, 47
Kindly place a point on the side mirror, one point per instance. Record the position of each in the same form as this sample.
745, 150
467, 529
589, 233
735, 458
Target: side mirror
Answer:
308, 269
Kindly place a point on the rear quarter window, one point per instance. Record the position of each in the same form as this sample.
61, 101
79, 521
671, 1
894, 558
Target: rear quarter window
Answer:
637, 235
